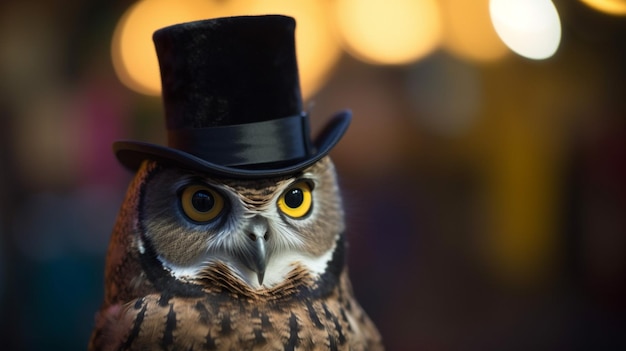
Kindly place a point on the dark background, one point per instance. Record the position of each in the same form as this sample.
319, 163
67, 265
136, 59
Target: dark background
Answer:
506, 232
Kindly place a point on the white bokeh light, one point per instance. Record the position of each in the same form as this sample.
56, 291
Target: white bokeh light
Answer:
531, 28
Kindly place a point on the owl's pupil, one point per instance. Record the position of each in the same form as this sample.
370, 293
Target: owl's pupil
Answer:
202, 201
294, 198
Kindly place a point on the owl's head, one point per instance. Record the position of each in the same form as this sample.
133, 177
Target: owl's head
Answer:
241, 183
260, 229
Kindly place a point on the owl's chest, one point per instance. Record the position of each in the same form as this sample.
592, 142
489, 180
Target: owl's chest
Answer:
217, 323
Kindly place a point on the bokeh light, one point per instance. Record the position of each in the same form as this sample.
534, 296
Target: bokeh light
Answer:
132, 49
136, 63
468, 31
389, 32
613, 7
531, 28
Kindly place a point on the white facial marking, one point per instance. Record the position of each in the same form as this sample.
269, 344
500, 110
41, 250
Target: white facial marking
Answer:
140, 246
281, 264
180, 272
277, 269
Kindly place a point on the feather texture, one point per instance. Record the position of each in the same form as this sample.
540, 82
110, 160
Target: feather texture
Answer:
172, 284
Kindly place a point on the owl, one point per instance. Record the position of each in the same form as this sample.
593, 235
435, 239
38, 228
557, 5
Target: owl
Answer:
231, 237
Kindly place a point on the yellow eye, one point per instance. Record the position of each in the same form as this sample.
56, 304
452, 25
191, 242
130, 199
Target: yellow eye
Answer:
296, 201
201, 203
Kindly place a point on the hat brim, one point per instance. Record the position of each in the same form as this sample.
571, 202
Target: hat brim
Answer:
132, 153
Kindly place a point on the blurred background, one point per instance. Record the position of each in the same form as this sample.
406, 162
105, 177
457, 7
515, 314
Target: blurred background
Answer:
484, 171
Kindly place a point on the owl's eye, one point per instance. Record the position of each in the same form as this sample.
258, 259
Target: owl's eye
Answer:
296, 201
201, 203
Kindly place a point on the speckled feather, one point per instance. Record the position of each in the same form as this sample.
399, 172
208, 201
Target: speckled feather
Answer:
146, 308
227, 320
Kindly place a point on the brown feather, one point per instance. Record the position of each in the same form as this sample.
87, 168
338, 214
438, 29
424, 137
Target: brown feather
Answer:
146, 308
249, 320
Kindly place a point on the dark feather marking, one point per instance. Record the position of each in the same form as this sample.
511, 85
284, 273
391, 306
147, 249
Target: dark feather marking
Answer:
170, 325
164, 299
136, 328
328, 280
294, 328
348, 305
339, 329
226, 328
326, 310
210, 342
332, 342
203, 312
333, 317
259, 339
161, 278
314, 318
138, 303
265, 321
258, 332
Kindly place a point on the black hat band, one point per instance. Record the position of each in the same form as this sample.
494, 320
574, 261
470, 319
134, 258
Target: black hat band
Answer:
277, 140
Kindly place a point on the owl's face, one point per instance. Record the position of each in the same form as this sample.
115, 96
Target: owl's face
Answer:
260, 229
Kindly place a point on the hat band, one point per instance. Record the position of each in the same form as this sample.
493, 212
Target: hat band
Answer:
277, 140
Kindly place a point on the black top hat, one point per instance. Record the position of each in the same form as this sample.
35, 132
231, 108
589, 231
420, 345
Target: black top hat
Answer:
232, 101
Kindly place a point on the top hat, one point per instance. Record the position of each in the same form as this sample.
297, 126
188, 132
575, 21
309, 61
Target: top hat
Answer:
232, 101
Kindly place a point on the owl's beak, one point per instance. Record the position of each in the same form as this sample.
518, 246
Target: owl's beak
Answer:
255, 257
259, 259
